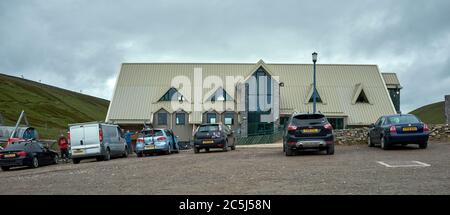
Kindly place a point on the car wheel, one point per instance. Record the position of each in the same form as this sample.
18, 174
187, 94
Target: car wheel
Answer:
5, 168
233, 147
423, 145
369, 141
225, 147
107, 156
207, 150
125, 153
56, 159
288, 151
140, 154
330, 149
196, 150
383, 143
35, 163
75, 160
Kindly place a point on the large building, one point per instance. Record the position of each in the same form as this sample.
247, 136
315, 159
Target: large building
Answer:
251, 98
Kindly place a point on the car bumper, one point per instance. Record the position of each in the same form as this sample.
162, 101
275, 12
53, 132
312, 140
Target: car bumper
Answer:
299, 143
157, 148
13, 162
217, 143
407, 138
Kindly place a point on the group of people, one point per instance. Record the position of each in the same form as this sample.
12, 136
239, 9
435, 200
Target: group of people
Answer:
63, 145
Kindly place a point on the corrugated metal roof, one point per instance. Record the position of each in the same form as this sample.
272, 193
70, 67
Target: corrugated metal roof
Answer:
141, 85
391, 80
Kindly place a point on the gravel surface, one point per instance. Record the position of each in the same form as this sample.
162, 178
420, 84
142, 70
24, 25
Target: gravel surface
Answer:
352, 170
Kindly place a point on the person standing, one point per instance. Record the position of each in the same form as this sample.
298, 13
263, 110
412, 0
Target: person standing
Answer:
128, 135
63, 145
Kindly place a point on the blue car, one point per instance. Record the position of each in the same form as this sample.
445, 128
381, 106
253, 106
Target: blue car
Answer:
399, 129
154, 140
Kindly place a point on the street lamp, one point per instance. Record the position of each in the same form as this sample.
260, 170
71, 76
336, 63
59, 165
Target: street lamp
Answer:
314, 59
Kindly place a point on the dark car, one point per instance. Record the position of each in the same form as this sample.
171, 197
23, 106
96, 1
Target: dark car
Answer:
32, 154
209, 136
308, 132
401, 129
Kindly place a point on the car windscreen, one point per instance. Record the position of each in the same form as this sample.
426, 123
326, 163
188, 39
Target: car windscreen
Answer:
16, 146
152, 133
308, 119
406, 119
208, 128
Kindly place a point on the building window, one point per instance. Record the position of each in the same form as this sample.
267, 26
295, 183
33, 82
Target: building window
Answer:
229, 119
211, 118
220, 95
362, 98
318, 99
180, 118
337, 123
172, 95
162, 118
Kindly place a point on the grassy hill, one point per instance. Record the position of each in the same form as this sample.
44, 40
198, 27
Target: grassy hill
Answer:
48, 108
432, 113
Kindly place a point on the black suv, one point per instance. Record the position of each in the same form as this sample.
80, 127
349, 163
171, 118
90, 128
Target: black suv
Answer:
210, 136
308, 131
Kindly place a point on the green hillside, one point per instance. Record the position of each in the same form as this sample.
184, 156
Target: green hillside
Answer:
48, 108
432, 113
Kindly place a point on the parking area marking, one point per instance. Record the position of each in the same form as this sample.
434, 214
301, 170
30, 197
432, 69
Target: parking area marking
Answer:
394, 164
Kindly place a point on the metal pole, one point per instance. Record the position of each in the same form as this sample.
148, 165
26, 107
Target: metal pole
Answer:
314, 90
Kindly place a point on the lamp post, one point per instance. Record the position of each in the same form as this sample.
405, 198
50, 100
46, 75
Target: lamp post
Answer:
314, 59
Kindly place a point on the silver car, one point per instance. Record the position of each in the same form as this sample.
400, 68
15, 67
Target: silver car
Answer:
96, 140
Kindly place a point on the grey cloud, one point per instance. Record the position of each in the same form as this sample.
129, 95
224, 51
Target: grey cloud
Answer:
79, 44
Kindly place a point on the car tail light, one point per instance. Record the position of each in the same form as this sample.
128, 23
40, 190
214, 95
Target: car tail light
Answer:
21, 154
292, 127
392, 129
68, 136
100, 134
140, 140
328, 126
161, 139
425, 127
291, 142
1, 155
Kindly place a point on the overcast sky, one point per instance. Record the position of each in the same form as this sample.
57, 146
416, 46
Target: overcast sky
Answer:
80, 44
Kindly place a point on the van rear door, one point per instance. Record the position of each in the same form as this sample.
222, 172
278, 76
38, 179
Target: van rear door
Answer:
85, 139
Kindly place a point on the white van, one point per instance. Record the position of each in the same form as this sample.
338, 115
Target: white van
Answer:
96, 140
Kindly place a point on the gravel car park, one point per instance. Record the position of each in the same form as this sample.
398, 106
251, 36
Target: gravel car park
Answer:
260, 169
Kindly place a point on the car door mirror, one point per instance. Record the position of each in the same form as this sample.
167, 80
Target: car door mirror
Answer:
372, 125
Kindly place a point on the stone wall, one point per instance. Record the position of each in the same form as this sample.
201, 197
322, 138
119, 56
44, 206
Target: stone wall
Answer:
447, 108
359, 135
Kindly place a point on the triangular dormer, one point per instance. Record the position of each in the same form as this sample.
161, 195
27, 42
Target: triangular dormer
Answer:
172, 95
220, 95
359, 96
309, 97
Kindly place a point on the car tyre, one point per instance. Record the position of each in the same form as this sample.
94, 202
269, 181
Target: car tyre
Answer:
125, 153
330, 149
140, 154
369, 141
423, 145
196, 150
233, 147
56, 159
288, 151
5, 168
107, 156
383, 143
35, 162
75, 160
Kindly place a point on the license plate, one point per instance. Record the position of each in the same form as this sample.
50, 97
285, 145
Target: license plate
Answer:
311, 130
208, 141
409, 129
149, 147
78, 151
10, 156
